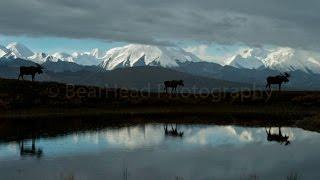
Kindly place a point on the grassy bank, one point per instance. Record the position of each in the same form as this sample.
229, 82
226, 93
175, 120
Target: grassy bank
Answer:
214, 111
311, 123
25, 101
23, 124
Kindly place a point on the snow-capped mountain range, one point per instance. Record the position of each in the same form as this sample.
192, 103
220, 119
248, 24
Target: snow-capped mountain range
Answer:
281, 59
17, 50
144, 55
127, 56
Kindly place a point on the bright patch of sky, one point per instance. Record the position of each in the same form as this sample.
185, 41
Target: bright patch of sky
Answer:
52, 44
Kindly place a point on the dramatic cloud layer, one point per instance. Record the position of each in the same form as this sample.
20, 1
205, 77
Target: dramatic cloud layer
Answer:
293, 23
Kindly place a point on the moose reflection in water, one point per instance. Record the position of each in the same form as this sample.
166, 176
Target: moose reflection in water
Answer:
280, 138
173, 132
30, 151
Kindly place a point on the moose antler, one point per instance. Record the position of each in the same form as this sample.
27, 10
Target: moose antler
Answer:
287, 74
38, 65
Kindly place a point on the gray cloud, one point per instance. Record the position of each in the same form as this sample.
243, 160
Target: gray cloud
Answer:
291, 23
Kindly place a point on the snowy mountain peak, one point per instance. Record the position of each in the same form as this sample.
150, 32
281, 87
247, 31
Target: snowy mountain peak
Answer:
3, 51
288, 59
62, 56
250, 58
141, 55
19, 50
281, 59
279, 56
97, 53
38, 58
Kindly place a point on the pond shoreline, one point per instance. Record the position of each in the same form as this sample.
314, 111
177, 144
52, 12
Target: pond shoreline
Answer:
48, 106
52, 122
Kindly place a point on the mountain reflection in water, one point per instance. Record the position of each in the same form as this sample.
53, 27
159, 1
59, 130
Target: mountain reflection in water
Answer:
153, 151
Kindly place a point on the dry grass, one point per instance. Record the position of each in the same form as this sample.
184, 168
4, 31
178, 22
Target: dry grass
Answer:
28, 100
310, 123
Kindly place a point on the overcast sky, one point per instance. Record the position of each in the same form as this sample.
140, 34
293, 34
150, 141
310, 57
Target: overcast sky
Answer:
292, 23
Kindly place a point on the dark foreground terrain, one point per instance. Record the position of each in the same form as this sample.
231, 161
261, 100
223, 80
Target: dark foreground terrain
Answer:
54, 108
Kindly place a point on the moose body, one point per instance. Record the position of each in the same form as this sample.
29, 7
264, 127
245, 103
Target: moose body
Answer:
277, 80
173, 85
30, 70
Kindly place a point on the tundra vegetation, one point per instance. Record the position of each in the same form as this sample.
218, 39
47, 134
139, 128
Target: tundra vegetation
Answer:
32, 100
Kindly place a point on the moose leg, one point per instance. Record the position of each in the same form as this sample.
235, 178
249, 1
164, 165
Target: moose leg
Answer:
171, 127
166, 129
280, 87
32, 77
268, 86
20, 75
268, 131
280, 131
21, 146
33, 145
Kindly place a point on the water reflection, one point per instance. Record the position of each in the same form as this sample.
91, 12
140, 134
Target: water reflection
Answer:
150, 136
30, 151
173, 132
143, 152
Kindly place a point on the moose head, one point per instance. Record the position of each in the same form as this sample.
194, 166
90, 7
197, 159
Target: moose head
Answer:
285, 77
180, 82
39, 68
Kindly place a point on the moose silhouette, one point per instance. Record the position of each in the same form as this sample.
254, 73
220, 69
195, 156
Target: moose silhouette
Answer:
173, 132
30, 70
30, 151
173, 85
282, 78
277, 137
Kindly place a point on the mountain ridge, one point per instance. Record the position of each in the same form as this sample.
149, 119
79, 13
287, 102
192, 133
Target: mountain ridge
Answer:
281, 59
146, 55
301, 79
